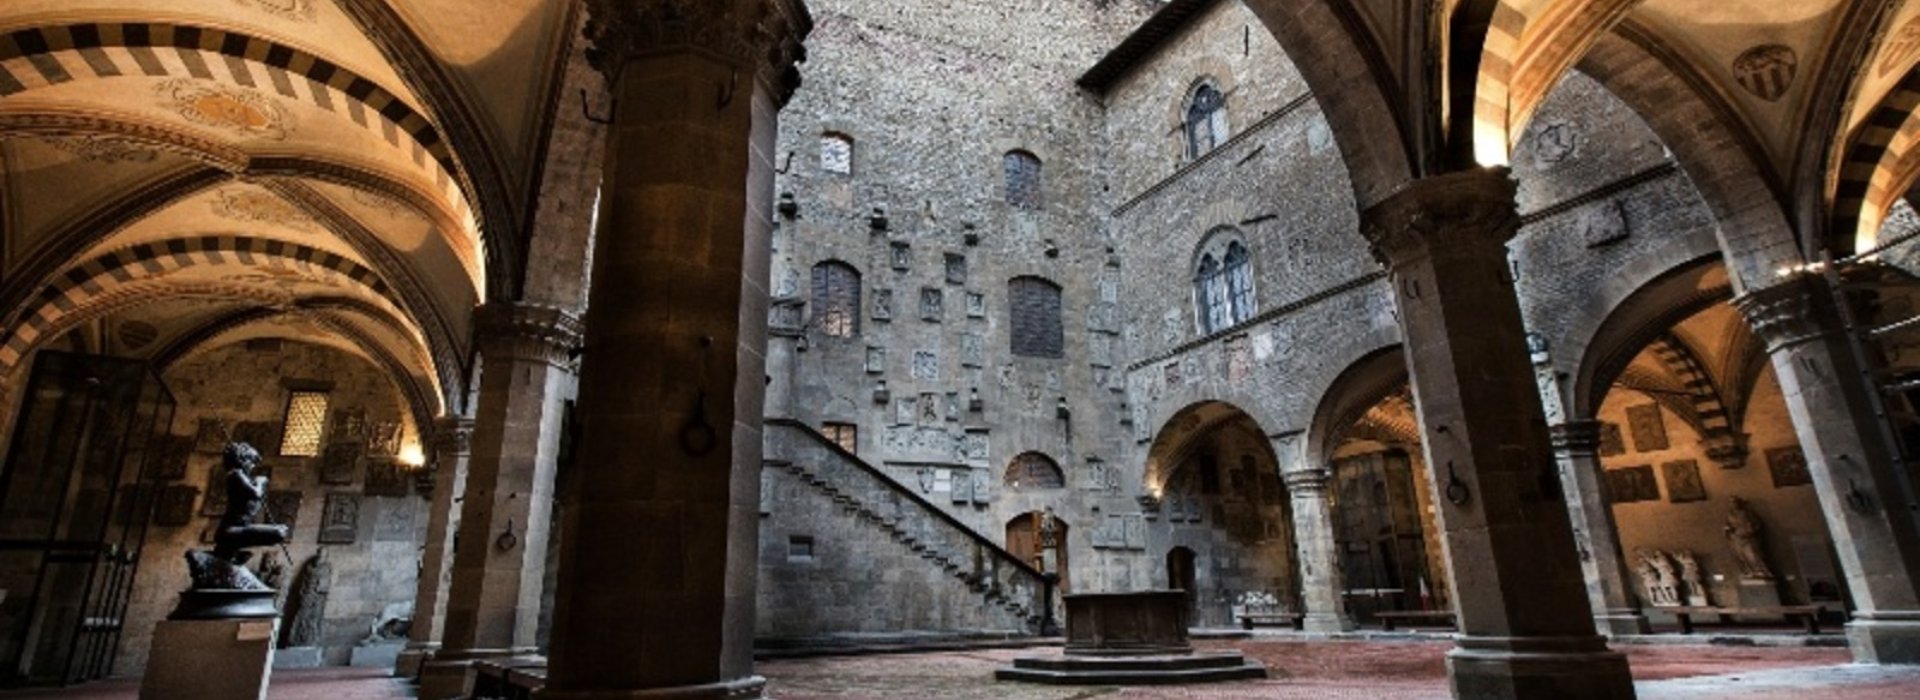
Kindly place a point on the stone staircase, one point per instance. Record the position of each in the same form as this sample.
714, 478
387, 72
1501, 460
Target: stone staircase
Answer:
861, 490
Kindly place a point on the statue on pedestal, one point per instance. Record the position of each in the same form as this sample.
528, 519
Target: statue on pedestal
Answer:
1657, 577
223, 587
1743, 534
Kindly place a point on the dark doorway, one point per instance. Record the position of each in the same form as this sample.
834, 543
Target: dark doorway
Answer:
1378, 529
1180, 574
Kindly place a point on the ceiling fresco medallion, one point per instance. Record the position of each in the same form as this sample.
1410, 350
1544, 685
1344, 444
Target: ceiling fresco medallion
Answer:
135, 335
242, 112
254, 206
296, 10
1902, 47
96, 148
1766, 71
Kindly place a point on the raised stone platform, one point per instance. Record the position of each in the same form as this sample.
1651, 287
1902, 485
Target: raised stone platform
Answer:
1206, 667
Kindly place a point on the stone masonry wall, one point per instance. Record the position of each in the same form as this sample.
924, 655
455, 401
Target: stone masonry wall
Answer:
243, 383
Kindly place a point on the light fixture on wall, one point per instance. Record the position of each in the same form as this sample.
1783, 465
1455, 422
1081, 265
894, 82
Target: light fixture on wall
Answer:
412, 456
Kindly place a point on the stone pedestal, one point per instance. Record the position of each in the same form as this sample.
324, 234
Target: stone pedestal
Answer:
1526, 627
656, 589
299, 657
1129, 639
1850, 456
205, 659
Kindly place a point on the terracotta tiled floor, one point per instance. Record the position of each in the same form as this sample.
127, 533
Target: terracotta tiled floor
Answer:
1359, 670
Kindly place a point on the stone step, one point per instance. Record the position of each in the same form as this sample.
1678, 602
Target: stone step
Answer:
1150, 670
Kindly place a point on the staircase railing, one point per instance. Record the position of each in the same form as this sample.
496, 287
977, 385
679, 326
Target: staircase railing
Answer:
989, 568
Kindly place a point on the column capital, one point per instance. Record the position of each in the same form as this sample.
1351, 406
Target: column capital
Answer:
1307, 483
1787, 313
1582, 436
523, 331
452, 436
1470, 209
764, 34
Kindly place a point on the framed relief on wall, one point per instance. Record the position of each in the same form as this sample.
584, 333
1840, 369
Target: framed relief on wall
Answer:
1683, 481
1649, 429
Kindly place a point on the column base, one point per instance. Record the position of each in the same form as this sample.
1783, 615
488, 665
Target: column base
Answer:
1622, 623
1514, 668
1323, 623
749, 688
412, 658
445, 676
1885, 637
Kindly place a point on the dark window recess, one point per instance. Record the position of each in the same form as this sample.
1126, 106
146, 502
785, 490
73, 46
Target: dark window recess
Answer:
1023, 180
800, 548
1034, 471
1206, 122
1034, 314
836, 299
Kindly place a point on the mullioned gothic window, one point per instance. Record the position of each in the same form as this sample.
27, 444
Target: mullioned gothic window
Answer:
1034, 315
1206, 121
836, 299
1223, 283
1023, 179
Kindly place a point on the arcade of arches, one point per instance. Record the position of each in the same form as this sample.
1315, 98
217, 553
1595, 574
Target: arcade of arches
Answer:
627, 337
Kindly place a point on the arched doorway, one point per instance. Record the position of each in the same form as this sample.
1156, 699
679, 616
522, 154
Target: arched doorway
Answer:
1040, 539
1180, 574
1225, 515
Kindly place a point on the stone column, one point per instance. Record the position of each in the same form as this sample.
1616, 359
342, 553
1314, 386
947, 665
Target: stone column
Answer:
452, 444
659, 549
1518, 588
1576, 448
1855, 470
1321, 585
500, 547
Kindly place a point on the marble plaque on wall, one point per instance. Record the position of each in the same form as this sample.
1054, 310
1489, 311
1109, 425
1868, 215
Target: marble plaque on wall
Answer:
261, 435
340, 521
211, 436
1789, 467
1612, 442
1649, 428
386, 477
283, 508
383, 438
1632, 485
340, 462
1683, 481
171, 459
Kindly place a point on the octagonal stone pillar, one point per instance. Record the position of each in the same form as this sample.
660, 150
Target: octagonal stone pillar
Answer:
1855, 469
1518, 586
1616, 611
452, 444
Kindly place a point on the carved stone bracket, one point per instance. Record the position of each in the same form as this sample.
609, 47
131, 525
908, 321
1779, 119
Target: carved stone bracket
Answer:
1457, 212
452, 436
1788, 313
526, 332
1579, 436
766, 35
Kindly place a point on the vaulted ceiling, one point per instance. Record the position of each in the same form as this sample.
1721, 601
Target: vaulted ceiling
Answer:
181, 174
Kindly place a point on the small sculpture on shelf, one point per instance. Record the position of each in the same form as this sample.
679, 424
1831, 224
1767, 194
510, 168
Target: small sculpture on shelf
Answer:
222, 585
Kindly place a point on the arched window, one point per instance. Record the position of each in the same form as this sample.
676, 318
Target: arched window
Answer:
1034, 315
836, 153
1023, 179
1223, 283
1206, 121
1033, 470
836, 299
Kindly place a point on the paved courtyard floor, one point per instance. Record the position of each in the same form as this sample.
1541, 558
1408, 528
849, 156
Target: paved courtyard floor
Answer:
1324, 669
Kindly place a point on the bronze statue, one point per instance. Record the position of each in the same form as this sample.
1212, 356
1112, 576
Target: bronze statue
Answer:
224, 567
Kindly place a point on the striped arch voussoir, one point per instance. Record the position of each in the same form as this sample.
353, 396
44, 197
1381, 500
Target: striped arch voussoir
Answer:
1871, 170
69, 290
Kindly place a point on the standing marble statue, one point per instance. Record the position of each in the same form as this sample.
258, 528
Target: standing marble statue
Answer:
1743, 534
308, 602
1690, 575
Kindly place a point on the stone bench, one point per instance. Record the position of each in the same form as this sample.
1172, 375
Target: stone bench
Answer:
1443, 617
1808, 615
1294, 620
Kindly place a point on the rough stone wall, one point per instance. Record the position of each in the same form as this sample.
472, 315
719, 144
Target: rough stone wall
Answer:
242, 382
933, 95
1796, 535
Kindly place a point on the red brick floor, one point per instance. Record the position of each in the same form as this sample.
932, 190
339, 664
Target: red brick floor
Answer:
1332, 670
